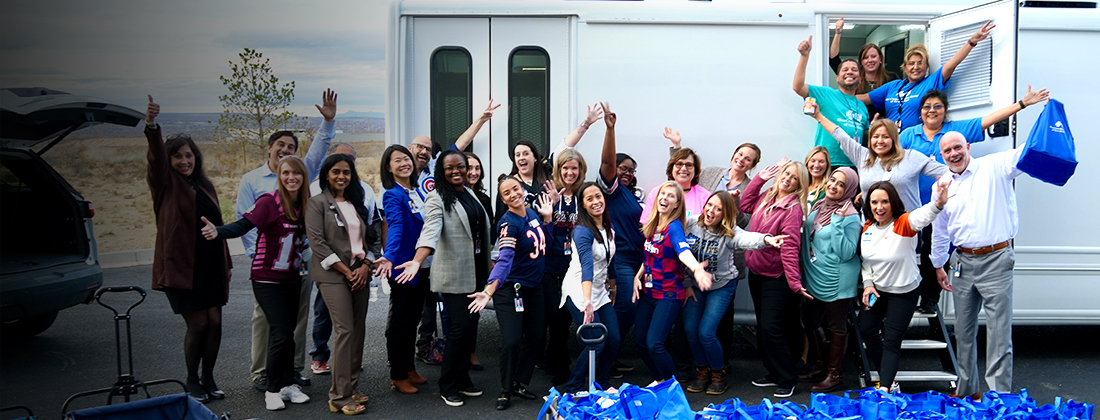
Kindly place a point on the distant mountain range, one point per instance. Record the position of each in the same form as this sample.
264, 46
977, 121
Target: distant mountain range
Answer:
355, 114
201, 125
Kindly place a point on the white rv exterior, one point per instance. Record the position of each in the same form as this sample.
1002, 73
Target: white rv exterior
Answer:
720, 73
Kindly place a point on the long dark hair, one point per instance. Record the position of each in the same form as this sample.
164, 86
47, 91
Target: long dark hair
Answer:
353, 193
478, 186
541, 171
447, 192
198, 175
897, 207
387, 172
585, 220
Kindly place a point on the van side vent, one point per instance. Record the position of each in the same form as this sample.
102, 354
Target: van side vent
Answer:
1061, 4
971, 80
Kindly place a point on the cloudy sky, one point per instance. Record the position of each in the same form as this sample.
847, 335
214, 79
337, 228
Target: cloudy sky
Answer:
119, 50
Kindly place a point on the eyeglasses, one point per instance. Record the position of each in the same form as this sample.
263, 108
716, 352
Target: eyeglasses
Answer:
679, 165
415, 146
626, 170
936, 107
454, 168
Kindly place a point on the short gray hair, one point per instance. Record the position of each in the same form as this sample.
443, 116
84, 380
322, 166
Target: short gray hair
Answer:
335, 144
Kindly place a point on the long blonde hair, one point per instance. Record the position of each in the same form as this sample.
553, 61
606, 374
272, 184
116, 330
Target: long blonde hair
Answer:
292, 204
768, 202
825, 177
896, 152
653, 223
564, 157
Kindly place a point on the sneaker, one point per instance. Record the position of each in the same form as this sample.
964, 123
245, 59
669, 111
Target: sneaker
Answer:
273, 401
453, 401
764, 382
895, 388
320, 367
783, 392
293, 394
260, 382
471, 391
622, 367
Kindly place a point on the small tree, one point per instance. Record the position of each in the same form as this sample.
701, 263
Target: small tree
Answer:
255, 106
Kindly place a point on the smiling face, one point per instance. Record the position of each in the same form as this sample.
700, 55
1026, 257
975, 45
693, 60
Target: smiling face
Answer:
818, 165
421, 149
339, 177
667, 200
871, 60
847, 76
625, 171
290, 178
683, 171
880, 207
593, 202
788, 181
282, 146
932, 113
916, 67
511, 193
838, 183
955, 151
881, 143
744, 160
454, 170
712, 212
473, 171
400, 166
525, 160
183, 161
570, 172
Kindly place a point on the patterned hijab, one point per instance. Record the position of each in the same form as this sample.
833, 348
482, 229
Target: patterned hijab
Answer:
826, 206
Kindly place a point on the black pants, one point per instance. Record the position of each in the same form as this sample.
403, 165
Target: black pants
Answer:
461, 336
279, 301
406, 302
523, 333
778, 330
557, 322
425, 332
929, 286
891, 314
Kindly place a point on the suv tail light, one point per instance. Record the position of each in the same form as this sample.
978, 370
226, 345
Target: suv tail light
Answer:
89, 210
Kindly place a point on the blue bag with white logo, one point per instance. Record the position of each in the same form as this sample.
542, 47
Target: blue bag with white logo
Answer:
1050, 155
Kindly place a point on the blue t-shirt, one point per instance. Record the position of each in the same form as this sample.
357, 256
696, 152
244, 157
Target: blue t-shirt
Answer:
559, 251
522, 245
913, 138
901, 98
845, 111
624, 210
662, 262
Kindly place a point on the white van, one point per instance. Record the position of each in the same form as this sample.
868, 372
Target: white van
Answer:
720, 73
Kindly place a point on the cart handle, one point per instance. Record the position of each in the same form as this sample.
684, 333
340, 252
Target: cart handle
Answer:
591, 342
119, 289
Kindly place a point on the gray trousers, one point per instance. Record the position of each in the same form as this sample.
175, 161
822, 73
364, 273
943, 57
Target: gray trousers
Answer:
985, 281
348, 310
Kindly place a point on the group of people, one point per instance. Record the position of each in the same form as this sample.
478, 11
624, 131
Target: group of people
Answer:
863, 217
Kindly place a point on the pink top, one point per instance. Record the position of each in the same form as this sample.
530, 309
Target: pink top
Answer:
694, 201
351, 219
784, 219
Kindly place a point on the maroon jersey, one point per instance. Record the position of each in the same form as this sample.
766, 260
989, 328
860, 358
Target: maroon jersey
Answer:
279, 241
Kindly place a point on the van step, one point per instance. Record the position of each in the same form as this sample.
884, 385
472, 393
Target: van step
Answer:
918, 376
919, 314
924, 344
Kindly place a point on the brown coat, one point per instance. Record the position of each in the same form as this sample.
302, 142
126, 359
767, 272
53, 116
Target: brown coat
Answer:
174, 207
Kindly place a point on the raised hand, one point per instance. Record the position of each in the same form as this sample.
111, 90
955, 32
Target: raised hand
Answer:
804, 47
210, 232
595, 112
771, 171
840, 26
154, 109
488, 113
1034, 97
844, 208
775, 241
553, 193
673, 136
609, 118
942, 186
545, 206
328, 107
982, 33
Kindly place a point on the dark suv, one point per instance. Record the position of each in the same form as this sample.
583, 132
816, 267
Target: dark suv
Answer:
49, 259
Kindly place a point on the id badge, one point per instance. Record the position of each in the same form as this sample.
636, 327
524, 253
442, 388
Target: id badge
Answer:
477, 246
568, 248
649, 285
813, 256
958, 270
519, 304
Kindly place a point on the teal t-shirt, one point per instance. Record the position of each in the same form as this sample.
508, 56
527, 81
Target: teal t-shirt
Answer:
843, 110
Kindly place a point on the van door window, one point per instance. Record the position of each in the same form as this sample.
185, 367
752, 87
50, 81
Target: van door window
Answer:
971, 80
529, 97
451, 94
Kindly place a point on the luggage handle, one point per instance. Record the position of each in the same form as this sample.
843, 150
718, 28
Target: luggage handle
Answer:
119, 289
592, 342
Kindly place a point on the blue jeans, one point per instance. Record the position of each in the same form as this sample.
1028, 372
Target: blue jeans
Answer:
701, 318
322, 328
605, 352
626, 266
652, 323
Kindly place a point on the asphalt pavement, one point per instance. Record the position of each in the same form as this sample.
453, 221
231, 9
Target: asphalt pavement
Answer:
78, 354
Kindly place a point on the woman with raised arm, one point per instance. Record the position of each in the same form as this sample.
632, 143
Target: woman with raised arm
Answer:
339, 237
900, 98
817, 163
830, 271
276, 276
891, 280
456, 230
195, 276
871, 71
775, 276
516, 282
683, 167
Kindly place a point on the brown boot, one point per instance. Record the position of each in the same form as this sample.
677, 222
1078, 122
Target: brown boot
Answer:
415, 378
719, 380
702, 379
403, 386
834, 379
821, 348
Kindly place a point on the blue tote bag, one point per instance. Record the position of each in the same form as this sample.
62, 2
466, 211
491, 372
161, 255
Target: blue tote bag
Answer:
1050, 155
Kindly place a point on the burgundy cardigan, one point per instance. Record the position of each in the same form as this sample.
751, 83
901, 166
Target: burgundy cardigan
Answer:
784, 219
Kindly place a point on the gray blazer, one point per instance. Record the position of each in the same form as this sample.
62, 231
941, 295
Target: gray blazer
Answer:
448, 234
328, 239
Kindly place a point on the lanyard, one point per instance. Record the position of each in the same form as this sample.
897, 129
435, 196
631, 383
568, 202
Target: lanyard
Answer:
902, 99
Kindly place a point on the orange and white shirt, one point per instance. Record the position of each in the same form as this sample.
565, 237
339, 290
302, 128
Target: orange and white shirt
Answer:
889, 252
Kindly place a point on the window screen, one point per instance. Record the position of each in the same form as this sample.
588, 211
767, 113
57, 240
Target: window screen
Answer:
971, 80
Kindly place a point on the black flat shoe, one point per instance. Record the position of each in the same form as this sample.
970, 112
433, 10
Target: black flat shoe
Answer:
301, 380
195, 390
212, 389
522, 392
503, 401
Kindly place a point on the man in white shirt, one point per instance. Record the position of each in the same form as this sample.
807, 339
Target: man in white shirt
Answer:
980, 220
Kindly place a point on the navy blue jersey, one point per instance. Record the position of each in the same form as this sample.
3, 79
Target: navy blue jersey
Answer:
559, 251
522, 242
